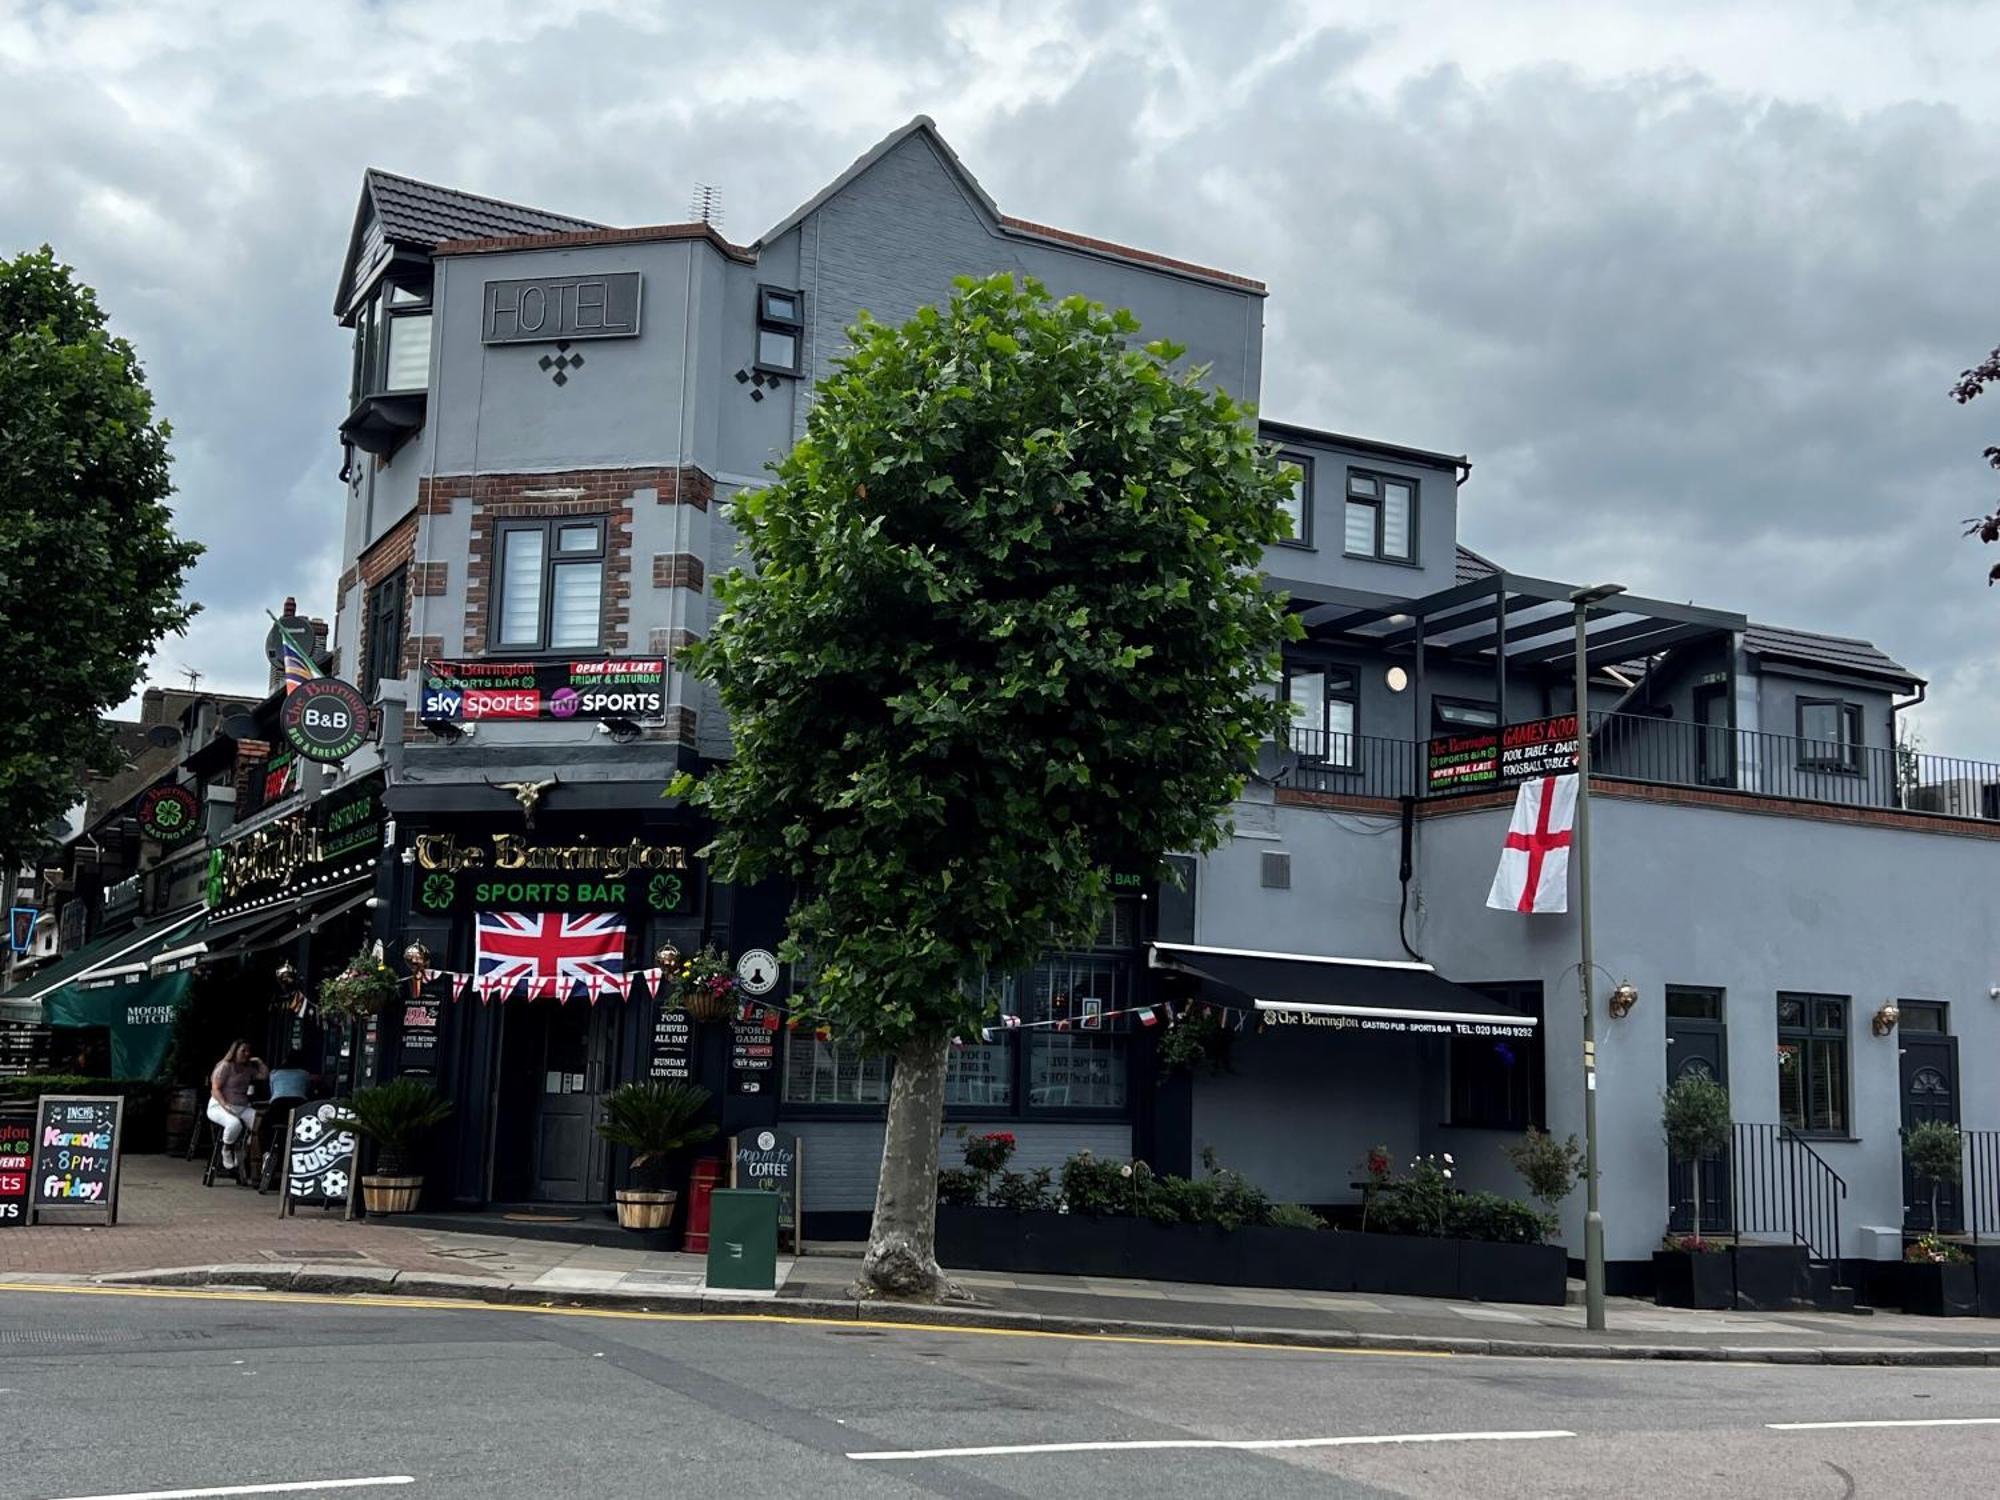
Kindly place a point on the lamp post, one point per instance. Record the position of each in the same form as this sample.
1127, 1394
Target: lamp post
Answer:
1593, 1218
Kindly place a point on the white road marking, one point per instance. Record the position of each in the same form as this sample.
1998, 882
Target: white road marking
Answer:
1009, 1450
292, 1487
1898, 1422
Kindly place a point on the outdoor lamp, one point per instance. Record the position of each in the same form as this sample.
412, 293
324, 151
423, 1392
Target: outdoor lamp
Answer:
668, 956
1623, 999
1885, 1019
417, 956
288, 974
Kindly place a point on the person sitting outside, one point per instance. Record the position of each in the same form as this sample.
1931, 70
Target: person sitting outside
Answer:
229, 1097
291, 1086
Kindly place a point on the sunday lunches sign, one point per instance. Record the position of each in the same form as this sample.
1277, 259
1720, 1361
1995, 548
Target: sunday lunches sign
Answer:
626, 687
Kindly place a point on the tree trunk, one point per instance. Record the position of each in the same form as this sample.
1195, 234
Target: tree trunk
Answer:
902, 1245
1697, 1197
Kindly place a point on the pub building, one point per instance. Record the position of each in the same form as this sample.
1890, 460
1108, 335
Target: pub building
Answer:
546, 420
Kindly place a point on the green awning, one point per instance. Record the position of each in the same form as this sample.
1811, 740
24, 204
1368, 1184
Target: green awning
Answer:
127, 950
112, 983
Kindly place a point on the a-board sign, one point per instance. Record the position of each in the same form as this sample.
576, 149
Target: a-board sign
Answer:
753, 1057
16, 1152
770, 1160
74, 1179
320, 1164
672, 1058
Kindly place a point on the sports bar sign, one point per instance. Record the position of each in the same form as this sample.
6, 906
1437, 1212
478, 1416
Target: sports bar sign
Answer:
626, 687
1517, 753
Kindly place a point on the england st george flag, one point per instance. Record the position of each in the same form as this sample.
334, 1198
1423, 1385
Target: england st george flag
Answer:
1534, 863
568, 948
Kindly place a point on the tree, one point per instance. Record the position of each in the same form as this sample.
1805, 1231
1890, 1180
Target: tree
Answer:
1969, 386
1934, 1151
1004, 635
90, 570
1694, 1115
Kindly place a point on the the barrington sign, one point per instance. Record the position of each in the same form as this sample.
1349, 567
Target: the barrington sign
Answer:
627, 687
1516, 753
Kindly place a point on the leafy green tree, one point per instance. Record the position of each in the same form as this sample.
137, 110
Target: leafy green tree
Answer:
1935, 1152
1004, 633
1694, 1117
90, 570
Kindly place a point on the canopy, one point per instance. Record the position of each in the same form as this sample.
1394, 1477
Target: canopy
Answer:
1366, 994
273, 927
111, 983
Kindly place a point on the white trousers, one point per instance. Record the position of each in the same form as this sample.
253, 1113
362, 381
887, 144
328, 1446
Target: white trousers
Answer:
233, 1124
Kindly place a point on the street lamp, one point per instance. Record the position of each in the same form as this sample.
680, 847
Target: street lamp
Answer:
1593, 1217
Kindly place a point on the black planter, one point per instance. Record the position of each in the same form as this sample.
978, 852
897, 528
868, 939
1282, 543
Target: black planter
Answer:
1405, 1265
1941, 1291
1986, 1262
1312, 1260
1692, 1278
1771, 1278
1513, 1273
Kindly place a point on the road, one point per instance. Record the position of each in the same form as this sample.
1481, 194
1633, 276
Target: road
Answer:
148, 1393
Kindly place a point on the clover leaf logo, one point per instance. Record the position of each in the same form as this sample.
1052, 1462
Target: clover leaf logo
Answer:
439, 891
663, 892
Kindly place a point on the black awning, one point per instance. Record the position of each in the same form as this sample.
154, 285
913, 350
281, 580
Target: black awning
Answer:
1365, 994
273, 926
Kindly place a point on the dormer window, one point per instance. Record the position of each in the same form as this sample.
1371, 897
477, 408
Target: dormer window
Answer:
781, 325
1298, 508
1381, 517
392, 342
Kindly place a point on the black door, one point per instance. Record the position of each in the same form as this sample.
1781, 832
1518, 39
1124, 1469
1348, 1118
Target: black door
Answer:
1698, 1043
1930, 1092
567, 1152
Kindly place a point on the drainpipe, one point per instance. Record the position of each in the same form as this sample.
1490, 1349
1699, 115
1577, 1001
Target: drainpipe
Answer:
1896, 744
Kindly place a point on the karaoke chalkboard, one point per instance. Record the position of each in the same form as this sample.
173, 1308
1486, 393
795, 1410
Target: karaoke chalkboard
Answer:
319, 1160
75, 1176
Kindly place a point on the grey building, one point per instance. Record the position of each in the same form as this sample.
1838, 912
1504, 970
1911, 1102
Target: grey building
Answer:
546, 423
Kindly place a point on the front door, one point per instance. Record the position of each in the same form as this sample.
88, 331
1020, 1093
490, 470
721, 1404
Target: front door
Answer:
1698, 1043
1930, 1092
567, 1152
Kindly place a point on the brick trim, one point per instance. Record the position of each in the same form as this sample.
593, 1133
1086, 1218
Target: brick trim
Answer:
678, 570
1292, 796
428, 579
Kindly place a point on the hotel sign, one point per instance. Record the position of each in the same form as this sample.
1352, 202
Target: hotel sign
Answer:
1517, 753
545, 309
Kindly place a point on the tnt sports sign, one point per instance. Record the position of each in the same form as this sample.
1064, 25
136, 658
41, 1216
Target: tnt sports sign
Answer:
602, 688
325, 719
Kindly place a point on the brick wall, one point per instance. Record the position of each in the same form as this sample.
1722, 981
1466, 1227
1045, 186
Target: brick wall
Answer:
393, 549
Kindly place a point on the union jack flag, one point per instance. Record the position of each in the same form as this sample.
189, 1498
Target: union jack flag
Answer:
551, 951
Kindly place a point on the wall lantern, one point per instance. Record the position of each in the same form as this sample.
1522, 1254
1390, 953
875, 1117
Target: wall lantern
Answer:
417, 956
1397, 678
668, 957
288, 974
1885, 1019
1623, 999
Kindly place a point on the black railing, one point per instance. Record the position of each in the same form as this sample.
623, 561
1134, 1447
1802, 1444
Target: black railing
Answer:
1982, 1184
1784, 1187
1358, 765
1674, 752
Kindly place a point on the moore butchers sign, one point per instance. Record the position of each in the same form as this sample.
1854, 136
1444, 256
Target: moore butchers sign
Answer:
1520, 752
627, 687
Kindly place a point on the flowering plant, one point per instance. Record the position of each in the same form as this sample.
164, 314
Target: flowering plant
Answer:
359, 990
1693, 1244
1932, 1250
703, 983
990, 1152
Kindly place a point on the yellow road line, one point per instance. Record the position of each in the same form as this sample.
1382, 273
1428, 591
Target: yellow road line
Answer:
453, 1304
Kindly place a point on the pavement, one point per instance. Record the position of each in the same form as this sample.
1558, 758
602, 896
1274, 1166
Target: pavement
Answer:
174, 1232
144, 1393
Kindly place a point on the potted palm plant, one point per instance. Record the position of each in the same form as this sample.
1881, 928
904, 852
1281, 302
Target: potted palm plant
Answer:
395, 1116
653, 1121
1690, 1270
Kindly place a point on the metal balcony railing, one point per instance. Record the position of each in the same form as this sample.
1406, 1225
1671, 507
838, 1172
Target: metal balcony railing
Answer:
1358, 765
1982, 1184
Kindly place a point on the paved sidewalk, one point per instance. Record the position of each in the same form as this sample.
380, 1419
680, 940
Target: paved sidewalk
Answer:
173, 1231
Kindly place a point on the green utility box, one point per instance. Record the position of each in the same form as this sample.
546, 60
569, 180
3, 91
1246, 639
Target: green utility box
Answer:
743, 1240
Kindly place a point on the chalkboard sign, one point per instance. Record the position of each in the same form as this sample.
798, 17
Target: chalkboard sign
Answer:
770, 1160
753, 1057
319, 1160
17, 1150
75, 1176
672, 1057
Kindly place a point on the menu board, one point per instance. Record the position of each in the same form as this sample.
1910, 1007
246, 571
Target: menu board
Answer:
768, 1160
672, 1058
319, 1160
74, 1179
753, 1057
16, 1149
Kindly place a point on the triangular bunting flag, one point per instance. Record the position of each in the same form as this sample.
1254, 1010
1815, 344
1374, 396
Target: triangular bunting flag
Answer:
459, 982
1146, 1016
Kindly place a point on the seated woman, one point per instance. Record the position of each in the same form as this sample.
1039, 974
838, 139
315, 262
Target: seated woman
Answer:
229, 1096
291, 1086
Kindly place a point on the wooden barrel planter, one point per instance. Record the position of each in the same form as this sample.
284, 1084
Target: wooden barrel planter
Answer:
391, 1195
183, 1106
641, 1208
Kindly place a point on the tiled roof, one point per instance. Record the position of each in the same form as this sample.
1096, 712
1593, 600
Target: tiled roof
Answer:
421, 213
1839, 653
546, 240
1472, 567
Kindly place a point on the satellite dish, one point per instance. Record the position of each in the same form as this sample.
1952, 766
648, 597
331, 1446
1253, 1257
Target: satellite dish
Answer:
240, 727
163, 736
1275, 762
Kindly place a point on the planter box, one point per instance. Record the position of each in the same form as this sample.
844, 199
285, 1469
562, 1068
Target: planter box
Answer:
1771, 1278
1986, 1262
1941, 1291
993, 1239
1686, 1278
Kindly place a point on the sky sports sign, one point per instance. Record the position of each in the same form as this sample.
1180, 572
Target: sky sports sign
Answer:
629, 687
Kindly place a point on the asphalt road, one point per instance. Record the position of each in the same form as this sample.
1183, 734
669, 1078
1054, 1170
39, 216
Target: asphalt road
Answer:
159, 1393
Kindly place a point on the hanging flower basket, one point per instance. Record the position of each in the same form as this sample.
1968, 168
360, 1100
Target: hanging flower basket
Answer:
359, 990
705, 986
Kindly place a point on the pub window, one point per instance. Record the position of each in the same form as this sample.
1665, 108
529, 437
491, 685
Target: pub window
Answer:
1812, 1062
1497, 1083
384, 657
781, 323
1381, 519
1298, 507
1829, 735
1693, 1002
1323, 700
1462, 716
819, 1070
549, 585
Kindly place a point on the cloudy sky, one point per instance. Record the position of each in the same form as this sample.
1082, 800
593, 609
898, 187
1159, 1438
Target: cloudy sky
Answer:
1688, 281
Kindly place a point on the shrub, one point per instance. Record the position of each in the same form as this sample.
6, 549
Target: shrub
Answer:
958, 1187
1692, 1244
654, 1120
1494, 1219
1930, 1250
1934, 1151
1694, 1117
1102, 1188
1419, 1203
990, 1152
1024, 1192
396, 1116
1198, 1037
1294, 1216
1549, 1168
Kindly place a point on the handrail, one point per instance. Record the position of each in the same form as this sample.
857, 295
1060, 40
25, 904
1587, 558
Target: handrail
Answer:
1780, 1185
1982, 1178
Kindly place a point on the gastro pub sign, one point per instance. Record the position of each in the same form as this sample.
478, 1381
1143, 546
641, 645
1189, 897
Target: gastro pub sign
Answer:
507, 871
340, 832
